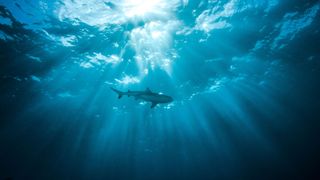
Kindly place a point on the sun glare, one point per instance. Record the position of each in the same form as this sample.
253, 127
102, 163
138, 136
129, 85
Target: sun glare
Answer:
141, 8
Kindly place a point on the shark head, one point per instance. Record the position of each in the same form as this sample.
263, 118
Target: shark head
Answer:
167, 99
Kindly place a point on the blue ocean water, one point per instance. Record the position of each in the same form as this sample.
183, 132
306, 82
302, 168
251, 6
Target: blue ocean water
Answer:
244, 76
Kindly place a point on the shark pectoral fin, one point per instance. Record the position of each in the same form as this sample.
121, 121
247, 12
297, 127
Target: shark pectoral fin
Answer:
153, 104
148, 90
120, 95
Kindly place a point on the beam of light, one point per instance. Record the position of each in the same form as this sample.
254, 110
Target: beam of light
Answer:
152, 42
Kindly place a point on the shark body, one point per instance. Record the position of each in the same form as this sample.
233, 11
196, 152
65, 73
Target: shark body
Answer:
147, 95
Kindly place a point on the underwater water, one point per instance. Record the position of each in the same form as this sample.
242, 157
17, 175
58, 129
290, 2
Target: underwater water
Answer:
244, 76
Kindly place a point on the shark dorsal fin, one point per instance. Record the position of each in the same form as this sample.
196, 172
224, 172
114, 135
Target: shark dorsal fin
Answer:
148, 90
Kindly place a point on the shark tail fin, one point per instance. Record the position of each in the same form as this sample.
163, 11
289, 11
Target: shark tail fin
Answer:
120, 94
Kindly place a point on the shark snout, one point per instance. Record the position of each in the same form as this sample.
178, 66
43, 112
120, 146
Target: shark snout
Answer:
170, 99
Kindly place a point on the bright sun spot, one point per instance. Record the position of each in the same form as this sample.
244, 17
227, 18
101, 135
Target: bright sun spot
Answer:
140, 8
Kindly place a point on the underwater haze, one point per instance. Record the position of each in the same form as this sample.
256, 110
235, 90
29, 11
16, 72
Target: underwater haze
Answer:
244, 76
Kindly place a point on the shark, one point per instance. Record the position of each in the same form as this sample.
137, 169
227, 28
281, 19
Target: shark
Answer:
147, 95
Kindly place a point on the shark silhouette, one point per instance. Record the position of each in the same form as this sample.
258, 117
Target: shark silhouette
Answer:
147, 95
